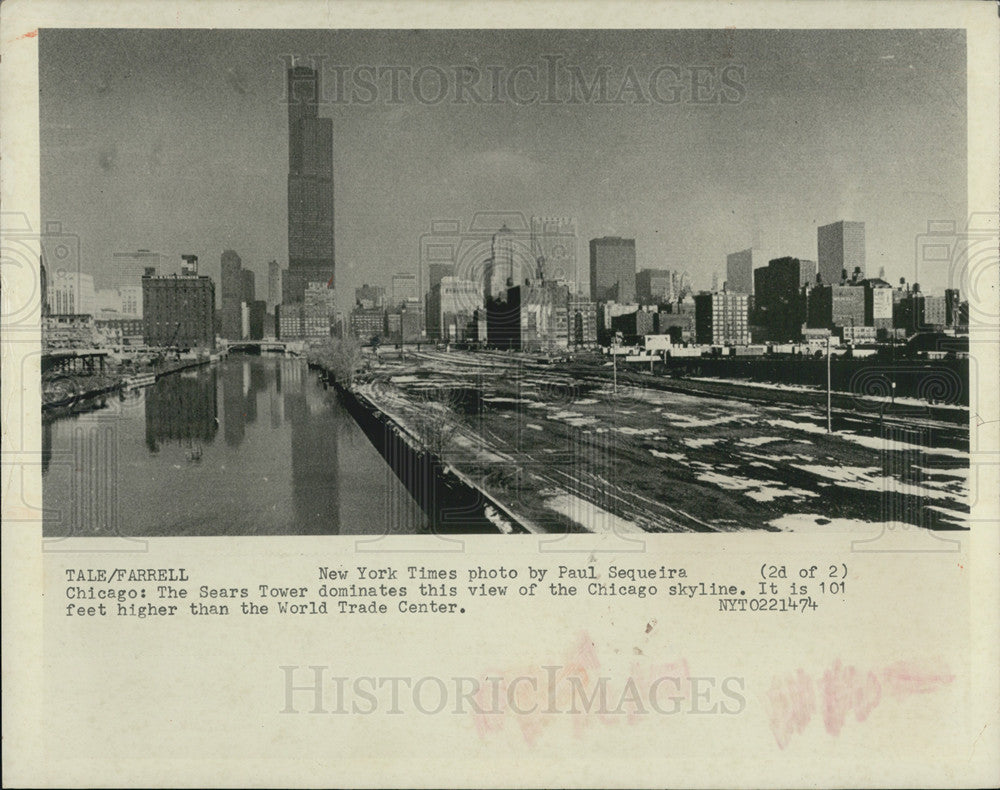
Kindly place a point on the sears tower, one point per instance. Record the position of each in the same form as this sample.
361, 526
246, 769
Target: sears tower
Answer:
310, 187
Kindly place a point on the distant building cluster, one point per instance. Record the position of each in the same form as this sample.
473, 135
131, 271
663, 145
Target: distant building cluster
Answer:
502, 283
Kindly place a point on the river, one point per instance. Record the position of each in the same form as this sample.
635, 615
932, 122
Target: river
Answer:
253, 445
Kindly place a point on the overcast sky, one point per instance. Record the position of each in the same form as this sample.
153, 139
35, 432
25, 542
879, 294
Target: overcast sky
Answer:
177, 141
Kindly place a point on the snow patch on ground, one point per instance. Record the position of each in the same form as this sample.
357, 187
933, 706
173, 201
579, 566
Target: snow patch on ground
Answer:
692, 422
671, 456
871, 479
628, 431
756, 441
590, 516
698, 443
811, 522
759, 490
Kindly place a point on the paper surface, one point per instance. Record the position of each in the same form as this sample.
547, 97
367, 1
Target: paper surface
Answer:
250, 574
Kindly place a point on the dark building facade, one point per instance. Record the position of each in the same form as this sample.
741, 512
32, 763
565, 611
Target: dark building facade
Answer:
653, 286
258, 309
837, 306
612, 269
779, 297
582, 320
249, 288
634, 325
178, 312
310, 187
537, 318
232, 296
952, 307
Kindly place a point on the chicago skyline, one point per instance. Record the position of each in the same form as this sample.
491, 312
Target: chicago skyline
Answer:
400, 167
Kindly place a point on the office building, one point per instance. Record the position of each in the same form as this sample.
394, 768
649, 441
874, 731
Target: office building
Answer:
878, 303
403, 287
232, 286
412, 322
779, 297
258, 310
952, 306
500, 266
310, 175
71, 293
582, 320
539, 318
249, 289
436, 272
653, 286
128, 268
310, 188
841, 248
739, 270
612, 269
837, 306
178, 312
634, 325
451, 305
274, 272
367, 323
721, 318
553, 249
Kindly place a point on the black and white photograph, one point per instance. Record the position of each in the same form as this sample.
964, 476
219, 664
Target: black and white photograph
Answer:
505, 281
505, 394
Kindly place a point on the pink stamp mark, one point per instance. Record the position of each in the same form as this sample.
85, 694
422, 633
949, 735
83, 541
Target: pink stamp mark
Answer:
540, 695
791, 700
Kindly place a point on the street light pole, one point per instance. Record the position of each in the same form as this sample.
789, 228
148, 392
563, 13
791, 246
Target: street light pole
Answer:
614, 362
829, 418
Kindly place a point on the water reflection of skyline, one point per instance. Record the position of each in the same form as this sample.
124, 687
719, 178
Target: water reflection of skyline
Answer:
291, 460
182, 409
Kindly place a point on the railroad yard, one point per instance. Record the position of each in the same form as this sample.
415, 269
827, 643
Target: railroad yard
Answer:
565, 449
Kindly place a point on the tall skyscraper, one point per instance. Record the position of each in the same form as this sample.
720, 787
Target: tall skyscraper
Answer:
500, 266
739, 271
248, 285
841, 246
274, 272
232, 295
310, 187
612, 269
437, 272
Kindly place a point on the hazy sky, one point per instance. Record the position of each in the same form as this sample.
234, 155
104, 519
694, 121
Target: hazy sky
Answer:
177, 141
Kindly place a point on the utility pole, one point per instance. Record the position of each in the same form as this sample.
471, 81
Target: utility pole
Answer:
829, 418
614, 362
614, 357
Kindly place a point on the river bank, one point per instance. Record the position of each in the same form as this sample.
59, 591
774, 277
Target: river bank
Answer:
66, 390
